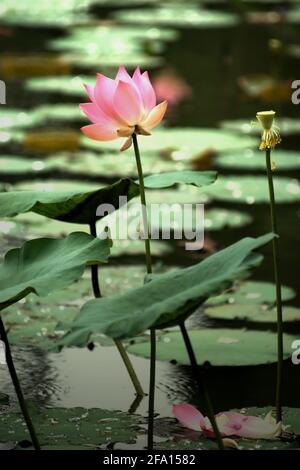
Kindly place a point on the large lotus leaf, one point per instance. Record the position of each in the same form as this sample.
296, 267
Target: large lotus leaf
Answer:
78, 207
46, 264
249, 160
252, 313
68, 206
254, 189
252, 292
184, 16
288, 126
168, 299
82, 427
181, 143
167, 180
33, 321
219, 347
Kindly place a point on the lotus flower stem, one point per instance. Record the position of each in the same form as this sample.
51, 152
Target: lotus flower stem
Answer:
277, 277
127, 362
143, 202
199, 379
149, 271
17, 386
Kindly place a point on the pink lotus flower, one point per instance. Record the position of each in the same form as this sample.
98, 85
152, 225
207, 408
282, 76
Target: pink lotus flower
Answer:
229, 423
122, 106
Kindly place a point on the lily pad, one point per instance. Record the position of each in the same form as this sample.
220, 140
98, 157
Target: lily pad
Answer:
252, 292
54, 14
288, 126
90, 428
108, 165
181, 144
12, 118
219, 347
34, 266
167, 180
249, 160
66, 85
181, 16
168, 299
19, 165
4, 399
69, 206
252, 313
56, 113
254, 189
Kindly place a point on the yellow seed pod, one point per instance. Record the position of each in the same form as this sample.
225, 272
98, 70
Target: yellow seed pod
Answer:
270, 134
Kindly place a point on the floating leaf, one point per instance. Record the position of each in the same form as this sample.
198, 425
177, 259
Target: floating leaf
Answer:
184, 16
288, 126
166, 180
68, 206
41, 14
254, 189
168, 299
250, 312
182, 144
4, 399
219, 347
254, 160
35, 267
251, 292
66, 85
73, 426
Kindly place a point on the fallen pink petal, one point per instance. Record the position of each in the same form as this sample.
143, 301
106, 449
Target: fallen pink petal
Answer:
230, 423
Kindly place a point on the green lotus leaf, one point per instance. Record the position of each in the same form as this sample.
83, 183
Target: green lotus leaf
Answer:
69, 85
288, 126
66, 427
252, 313
4, 399
254, 189
218, 346
166, 180
184, 16
68, 206
249, 160
252, 292
168, 299
181, 144
46, 264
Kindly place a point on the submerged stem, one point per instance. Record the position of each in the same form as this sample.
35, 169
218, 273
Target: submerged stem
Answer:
17, 386
199, 379
275, 246
97, 293
149, 271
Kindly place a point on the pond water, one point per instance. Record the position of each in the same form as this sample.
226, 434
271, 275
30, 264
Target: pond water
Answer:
211, 73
